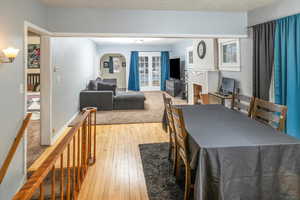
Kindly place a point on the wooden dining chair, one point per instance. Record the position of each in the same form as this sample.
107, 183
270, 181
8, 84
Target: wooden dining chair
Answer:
270, 113
242, 103
171, 130
182, 151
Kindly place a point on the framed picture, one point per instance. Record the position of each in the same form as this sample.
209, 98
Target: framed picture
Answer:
123, 64
34, 55
229, 55
189, 56
105, 64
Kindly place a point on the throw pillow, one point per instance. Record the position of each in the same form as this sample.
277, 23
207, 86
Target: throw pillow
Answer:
92, 85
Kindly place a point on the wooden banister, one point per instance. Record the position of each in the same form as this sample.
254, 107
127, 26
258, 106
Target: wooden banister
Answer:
14, 147
48, 167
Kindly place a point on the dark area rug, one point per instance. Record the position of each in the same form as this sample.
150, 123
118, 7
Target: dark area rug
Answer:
161, 184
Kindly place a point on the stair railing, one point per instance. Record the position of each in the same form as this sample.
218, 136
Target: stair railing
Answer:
71, 158
14, 147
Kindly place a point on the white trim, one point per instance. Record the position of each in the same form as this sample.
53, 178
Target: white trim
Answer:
148, 35
46, 91
28, 26
62, 129
36, 29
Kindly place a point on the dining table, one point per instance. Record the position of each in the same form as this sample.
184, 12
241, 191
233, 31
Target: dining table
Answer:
235, 157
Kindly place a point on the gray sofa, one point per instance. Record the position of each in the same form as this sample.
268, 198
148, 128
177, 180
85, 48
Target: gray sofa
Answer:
103, 95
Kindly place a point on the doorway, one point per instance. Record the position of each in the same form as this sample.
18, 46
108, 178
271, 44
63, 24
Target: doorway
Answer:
33, 97
150, 71
37, 91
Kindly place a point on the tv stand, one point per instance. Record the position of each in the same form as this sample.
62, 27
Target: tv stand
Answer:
173, 87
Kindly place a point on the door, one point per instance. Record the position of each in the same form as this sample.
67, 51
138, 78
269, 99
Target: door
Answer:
150, 71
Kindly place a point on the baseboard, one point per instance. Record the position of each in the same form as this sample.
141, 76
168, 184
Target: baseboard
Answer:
62, 129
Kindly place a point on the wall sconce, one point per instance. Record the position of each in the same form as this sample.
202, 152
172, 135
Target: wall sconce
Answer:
10, 54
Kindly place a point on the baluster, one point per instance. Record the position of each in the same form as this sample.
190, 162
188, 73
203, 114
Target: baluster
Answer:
95, 131
41, 192
74, 168
83, 148
90, 137
68, 169
53, 184
78, 162
62, 176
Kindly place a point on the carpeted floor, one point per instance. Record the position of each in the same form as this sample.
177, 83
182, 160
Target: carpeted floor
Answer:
153, 112
34, 149
160, 182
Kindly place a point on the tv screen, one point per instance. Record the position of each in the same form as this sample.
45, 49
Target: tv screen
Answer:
175, 68
227, 85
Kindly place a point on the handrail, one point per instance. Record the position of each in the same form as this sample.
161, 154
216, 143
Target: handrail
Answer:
14, 147
79, 136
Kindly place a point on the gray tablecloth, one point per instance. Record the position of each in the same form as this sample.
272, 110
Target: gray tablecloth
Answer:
237, 158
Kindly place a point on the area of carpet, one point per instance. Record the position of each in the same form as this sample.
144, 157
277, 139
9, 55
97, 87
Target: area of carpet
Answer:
153, 112
34, 149
160, 182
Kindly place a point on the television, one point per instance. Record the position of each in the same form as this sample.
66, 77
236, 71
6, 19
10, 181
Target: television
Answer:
175, 68
227, 86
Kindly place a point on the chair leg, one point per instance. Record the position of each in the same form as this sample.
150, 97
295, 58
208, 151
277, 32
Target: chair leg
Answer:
170, 143
174, 160
177, 165
187, 183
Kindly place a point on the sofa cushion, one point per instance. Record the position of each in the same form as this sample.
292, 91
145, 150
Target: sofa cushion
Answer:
129, 100
104, 86
93, 86
98, 79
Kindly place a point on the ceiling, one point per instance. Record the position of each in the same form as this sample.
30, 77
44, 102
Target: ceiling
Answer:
192, 5
137, 41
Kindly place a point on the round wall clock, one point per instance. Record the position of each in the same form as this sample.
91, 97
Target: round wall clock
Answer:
201, 49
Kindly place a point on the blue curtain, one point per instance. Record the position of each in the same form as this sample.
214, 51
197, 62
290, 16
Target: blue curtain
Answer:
165, 69
111, 65
287, 70
134, 81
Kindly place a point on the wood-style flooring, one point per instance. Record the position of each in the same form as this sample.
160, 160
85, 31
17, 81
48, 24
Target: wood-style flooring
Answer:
118, 172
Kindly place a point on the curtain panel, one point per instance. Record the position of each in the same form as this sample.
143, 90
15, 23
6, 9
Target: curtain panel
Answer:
134, 81
263, 59
287, 70
165, 69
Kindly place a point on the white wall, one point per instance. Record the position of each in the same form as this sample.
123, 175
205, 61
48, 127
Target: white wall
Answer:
125, 50
90, 20
279, 9
13, 14
75, 59
244, 77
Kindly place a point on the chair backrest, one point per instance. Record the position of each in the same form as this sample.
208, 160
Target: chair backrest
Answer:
270, 113
242, 103
168, 104
181, 133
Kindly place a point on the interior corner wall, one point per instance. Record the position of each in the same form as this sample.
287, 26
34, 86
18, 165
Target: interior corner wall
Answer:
93, 20
279, 9
13, 14
73, 60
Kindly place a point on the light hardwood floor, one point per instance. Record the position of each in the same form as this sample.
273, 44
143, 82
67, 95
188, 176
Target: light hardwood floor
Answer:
118, 172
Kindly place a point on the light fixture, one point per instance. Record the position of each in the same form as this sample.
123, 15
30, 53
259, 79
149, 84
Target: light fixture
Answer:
10, 54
